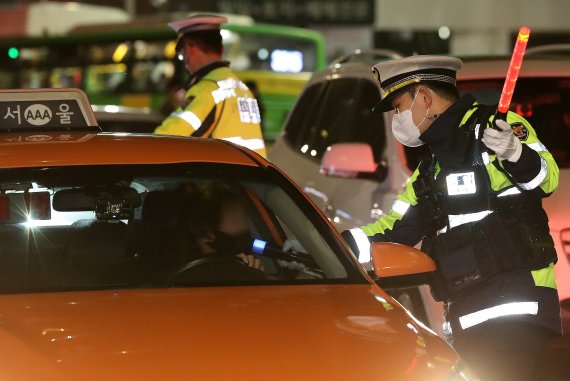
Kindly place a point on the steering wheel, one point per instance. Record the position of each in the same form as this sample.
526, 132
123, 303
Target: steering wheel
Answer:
215, 269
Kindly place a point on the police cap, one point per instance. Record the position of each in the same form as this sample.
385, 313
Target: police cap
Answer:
394, 75
197, 23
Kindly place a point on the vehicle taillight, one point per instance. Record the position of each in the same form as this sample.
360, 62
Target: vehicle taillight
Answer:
565, 238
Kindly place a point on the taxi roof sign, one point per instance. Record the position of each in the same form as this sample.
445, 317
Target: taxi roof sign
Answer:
45, 110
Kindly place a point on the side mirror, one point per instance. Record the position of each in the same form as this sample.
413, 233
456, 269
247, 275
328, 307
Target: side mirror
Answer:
352, 160
400, 266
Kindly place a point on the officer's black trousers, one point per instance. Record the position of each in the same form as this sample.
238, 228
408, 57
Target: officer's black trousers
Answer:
503, 351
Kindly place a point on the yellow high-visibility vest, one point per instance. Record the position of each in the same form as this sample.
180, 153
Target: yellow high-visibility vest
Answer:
219, 106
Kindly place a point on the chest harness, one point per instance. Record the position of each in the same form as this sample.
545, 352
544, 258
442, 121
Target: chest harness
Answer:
473, 232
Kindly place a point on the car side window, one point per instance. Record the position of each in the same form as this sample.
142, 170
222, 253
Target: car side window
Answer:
301, 122
338, 112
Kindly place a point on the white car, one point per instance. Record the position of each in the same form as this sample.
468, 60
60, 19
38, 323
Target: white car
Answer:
113, 118
335, 107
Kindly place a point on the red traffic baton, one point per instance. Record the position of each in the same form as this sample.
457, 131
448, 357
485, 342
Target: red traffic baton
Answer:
513, 73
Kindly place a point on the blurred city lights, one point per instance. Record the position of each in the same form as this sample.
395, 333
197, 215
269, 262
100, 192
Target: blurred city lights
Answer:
120, 53
262, 54
444, 32
290, 61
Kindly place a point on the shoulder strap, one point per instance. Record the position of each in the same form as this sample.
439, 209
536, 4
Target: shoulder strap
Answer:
427, 166
476, 124
507, 175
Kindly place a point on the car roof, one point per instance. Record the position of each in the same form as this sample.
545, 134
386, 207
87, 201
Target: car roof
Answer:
36, 149
496, 67
475, 67
344, 70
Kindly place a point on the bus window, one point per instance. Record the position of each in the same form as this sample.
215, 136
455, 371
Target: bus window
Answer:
250, 51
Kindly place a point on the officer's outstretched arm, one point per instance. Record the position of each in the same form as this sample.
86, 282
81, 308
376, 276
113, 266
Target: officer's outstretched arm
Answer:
196, 118
535, 171
402, 224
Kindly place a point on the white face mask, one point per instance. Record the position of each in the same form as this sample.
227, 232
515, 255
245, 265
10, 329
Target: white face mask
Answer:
404, 128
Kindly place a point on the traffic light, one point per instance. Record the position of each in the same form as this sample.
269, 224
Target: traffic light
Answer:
13, 52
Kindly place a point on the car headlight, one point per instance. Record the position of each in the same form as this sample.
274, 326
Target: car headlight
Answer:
461, 372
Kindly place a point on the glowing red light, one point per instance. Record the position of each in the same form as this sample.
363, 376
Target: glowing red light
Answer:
514, 69
524, 110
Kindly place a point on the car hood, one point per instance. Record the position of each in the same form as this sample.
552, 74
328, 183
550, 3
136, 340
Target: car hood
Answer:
333, 332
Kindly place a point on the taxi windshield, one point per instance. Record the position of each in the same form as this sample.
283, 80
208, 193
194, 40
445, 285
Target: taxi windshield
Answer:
144, 226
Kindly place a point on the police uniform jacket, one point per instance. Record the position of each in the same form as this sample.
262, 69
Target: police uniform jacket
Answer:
217, 105
528, 295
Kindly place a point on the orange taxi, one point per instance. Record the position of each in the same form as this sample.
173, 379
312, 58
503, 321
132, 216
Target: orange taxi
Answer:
140, 257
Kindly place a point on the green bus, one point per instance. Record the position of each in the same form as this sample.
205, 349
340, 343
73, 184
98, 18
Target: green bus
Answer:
134, 64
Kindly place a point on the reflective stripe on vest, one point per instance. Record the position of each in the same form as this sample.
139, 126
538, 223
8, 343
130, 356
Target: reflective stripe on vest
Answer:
189, 117
222, 94
363, 244
252, 144
460, 219
509, 192
400, 207
227, 89
231, 83
538, 147
507, 309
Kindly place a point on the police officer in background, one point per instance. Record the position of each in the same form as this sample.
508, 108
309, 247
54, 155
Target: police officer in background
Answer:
476, 207
217, 104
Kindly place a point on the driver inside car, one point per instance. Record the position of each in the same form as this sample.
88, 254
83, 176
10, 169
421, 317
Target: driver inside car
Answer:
219, 224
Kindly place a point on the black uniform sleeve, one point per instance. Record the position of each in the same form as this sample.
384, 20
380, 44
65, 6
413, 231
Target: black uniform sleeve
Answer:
526, 168
409, 230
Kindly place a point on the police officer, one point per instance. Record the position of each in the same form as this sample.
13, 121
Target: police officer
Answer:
217, 103
476, 206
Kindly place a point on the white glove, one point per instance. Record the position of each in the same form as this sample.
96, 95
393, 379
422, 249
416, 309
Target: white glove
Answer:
292, 265
505, 144
292, 244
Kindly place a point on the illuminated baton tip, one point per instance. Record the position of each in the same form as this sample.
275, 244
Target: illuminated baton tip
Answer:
524, 33
525, 30
514, 68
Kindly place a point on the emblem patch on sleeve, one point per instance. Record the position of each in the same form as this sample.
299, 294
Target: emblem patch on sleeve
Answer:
520, 131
